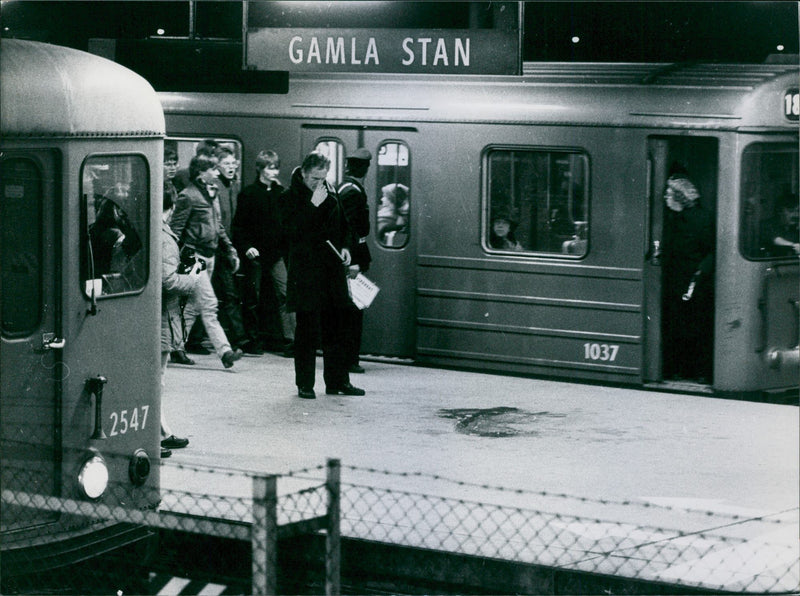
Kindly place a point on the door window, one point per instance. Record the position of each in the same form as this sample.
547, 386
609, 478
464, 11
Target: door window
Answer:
116, 195
333, 149
393, 177
21, 223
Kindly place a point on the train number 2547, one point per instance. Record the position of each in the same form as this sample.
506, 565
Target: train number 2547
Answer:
122, 422
604, 352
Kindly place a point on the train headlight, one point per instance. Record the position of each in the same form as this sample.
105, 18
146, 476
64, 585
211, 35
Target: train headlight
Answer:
93, 477
139, 468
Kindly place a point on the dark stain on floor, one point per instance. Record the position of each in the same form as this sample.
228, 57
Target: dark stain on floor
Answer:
497, 422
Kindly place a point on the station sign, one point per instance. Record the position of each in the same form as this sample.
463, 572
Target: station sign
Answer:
430, 51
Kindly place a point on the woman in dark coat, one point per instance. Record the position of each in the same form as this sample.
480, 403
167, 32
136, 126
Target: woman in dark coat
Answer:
687, 283
319, 252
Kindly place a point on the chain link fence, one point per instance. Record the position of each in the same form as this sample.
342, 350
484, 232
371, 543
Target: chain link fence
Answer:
225, 531
641, 540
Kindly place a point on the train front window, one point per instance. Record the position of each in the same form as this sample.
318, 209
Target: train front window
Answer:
536, 202
769, 210
116, 207
21, 223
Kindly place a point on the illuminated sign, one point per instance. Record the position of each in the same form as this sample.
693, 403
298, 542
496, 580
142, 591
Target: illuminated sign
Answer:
791, 104
435, 51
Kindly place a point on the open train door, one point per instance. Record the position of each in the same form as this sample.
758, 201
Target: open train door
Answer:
390, 322
657, 151
30, 350
698, 157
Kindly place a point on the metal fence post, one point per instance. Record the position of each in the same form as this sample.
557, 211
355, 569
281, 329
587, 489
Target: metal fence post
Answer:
264, 535
333, 539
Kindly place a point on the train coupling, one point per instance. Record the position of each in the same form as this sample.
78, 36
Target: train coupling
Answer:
782, 359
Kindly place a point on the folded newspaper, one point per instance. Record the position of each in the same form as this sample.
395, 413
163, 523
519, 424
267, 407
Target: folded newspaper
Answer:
362, 290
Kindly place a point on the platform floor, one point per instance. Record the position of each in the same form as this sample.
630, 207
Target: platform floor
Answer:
480, 432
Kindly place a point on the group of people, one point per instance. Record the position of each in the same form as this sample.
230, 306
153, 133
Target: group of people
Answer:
309, 238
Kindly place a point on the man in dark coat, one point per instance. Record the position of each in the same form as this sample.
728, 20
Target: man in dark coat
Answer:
319, 252
224, 279
353, 198
687, 283
259, 236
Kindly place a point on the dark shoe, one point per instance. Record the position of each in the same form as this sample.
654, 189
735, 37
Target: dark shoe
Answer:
346, 389
356, 368
306, 393
165, 453
180, 357
288, 350
229, 357
198, 349
252, 348
173, 442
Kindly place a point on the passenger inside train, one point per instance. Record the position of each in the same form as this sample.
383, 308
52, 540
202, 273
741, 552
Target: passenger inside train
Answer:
393, 215
501, 234
114, 241
782, 233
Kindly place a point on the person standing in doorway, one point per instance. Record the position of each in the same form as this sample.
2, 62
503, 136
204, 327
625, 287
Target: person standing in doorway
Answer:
687, 261
319, 253
353, 198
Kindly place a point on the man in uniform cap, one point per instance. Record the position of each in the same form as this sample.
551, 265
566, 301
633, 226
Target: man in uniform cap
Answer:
353, 198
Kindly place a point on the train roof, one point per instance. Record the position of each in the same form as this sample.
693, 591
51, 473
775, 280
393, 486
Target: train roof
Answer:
714, 96
74, 94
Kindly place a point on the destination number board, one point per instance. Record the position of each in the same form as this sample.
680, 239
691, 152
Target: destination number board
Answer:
791, 104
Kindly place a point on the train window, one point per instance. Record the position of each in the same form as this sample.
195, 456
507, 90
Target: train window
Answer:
187, 147
227, 152
537, 202
116, 195
21, 221
769, 211
333, 149
394, 181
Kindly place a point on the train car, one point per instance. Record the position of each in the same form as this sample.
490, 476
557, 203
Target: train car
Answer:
575, 157
81, 153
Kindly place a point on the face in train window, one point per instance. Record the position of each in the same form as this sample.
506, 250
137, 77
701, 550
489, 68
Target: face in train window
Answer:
333, 149
769, 222
21, 247
537, 202
115, 191
393, 175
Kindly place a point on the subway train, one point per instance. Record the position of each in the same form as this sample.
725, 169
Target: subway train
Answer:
575, 157
81, 151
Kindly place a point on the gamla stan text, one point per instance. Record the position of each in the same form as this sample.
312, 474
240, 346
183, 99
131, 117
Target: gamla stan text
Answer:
333, 50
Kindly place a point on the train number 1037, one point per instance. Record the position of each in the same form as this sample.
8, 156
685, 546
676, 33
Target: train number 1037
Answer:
604, 352
133, 420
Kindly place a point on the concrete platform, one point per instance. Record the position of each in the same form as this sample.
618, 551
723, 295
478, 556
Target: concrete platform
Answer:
615, 459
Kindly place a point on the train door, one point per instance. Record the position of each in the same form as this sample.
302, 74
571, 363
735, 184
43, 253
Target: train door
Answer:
698, 159
390, 322
30, 354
